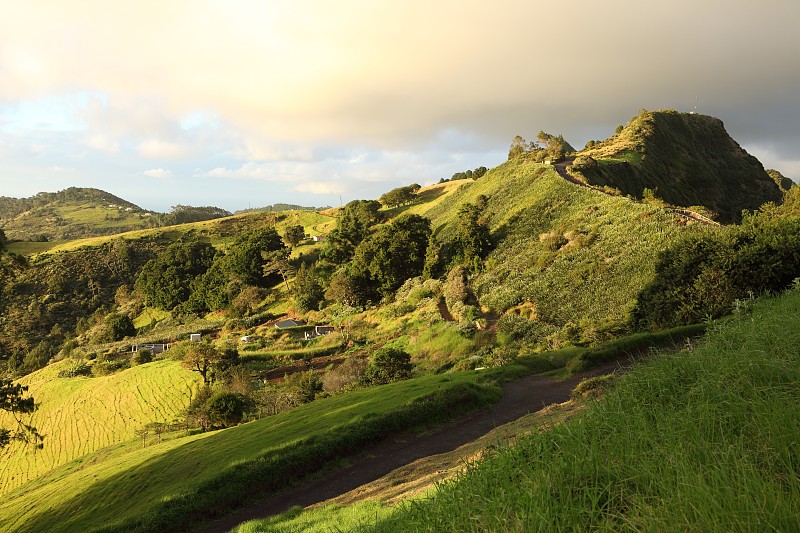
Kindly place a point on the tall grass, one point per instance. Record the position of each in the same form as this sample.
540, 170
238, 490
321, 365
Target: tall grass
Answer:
703, 440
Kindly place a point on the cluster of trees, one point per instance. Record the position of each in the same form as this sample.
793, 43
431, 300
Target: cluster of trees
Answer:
703, 277
183, 214
546, 146
192, 276
400, 195
467, 175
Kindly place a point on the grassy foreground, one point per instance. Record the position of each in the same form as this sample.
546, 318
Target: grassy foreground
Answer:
171, 485
704, 440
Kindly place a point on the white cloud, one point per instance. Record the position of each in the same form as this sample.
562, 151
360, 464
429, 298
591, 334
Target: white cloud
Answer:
158, 149
317, 187
103, 143
159, 173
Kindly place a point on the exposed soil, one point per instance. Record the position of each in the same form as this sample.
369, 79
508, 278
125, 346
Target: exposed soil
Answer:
520, 397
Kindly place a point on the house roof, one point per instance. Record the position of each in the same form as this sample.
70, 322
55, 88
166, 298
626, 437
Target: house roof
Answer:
289, 323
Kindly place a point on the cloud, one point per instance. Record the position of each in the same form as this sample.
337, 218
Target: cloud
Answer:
316, 187
103, 143
159, 173
158, 149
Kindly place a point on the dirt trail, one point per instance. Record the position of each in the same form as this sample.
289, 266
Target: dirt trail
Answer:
520, 397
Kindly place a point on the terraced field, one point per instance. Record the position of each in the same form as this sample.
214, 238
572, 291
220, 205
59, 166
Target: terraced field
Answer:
82, 414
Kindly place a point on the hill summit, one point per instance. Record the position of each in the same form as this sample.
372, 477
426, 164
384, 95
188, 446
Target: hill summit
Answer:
685, 159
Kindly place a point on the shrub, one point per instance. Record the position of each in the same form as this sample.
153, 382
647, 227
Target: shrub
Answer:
345, 376
227, 408
388, 365
141, 357
77, 368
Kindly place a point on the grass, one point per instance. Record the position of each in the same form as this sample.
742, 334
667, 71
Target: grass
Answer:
80, 415
169, 484
220, 232
702, 440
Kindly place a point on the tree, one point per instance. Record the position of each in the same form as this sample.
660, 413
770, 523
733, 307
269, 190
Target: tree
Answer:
12, 400
473, 236
518, 147
227, 408
395, 253
245, 260
166, 280
353, 223
202, 358
294, 235
388, 365
308, 291
277, 262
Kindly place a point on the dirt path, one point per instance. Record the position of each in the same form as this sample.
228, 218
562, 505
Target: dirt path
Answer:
520, 397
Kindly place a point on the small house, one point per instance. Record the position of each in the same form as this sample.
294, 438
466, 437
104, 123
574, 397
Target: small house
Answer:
318, 238
195, 337
155, 348
319, 331
246, 338
289, 323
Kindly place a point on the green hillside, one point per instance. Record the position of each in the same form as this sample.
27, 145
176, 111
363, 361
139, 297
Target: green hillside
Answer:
568, 260
686, 159
182, 476
69, 214
703, 440
79, 415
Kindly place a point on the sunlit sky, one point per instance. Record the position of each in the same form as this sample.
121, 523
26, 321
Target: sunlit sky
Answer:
241, 103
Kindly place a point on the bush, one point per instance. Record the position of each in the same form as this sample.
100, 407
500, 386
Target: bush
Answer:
227, 408
388, 365
345, 376
77, 368
141, 357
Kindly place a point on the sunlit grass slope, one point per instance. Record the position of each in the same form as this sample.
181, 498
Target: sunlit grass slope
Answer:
220, 231
79, 415
169, 479
703, 440
563, 250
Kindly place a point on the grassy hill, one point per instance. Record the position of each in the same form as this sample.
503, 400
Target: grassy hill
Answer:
79, 415
563, 253
687, 159
209, 472
702, 440
69, 214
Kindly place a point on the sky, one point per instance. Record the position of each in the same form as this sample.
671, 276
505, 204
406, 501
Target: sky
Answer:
245, 103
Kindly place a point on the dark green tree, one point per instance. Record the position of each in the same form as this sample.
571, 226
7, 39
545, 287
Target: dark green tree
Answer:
307, 290
244, 261
294, 235
166, 280
13, 401
473, 237
227, 408
353, 223
388, 365
394, 253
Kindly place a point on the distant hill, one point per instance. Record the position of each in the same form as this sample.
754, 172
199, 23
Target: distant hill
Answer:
685, 159
77, 212
282, 207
